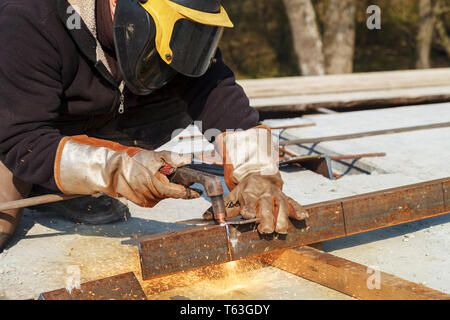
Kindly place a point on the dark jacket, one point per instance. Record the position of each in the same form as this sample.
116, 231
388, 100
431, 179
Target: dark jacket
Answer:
51, 75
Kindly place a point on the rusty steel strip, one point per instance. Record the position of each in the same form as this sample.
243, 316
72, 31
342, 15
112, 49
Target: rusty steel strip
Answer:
358, 156
446, 192
171, 252
335, 158
413, 203
190, 248
295, 126
121, 287
347, 276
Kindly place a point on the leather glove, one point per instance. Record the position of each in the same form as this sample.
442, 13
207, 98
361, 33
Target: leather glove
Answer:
251, 173
85, 165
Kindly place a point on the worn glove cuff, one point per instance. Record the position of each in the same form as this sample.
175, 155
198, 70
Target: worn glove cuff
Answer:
84, 165
250, 151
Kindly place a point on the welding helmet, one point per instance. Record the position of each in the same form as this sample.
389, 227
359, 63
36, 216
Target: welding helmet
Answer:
156, 39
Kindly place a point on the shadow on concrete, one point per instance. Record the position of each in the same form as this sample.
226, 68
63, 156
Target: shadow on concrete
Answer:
56, 225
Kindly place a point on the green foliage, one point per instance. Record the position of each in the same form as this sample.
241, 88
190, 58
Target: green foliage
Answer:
260, 45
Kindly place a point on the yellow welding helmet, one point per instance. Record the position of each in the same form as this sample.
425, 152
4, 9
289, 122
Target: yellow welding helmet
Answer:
156, 39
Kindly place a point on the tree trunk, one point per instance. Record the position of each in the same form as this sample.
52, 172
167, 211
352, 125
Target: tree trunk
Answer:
444, 38
425, 34
339, 36
306, 36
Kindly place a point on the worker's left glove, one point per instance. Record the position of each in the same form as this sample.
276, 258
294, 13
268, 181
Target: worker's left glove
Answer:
251, 173
86, 166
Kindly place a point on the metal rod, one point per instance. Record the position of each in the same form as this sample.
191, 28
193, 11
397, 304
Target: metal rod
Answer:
358, 156
303, 125
363, 134
34, 201
285, 151
342, 157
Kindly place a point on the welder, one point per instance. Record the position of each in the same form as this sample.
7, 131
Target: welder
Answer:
89, 88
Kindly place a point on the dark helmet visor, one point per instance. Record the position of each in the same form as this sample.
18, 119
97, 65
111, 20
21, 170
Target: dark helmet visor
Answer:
134, 35
193, 46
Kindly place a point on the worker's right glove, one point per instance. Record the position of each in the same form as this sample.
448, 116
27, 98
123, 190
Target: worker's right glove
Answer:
251, 173
87, 166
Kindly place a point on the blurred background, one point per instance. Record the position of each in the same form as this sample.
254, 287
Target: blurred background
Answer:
277, 38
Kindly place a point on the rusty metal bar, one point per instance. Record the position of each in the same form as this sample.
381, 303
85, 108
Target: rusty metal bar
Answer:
363, 134
171, 252
190, 248
347, 276
446, 194
358, 156
303, 125
335, 158
121, 287
285, 151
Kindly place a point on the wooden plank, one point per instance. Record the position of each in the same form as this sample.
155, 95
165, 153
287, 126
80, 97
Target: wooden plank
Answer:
190, 248
348, 277
378, 98
370, 81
